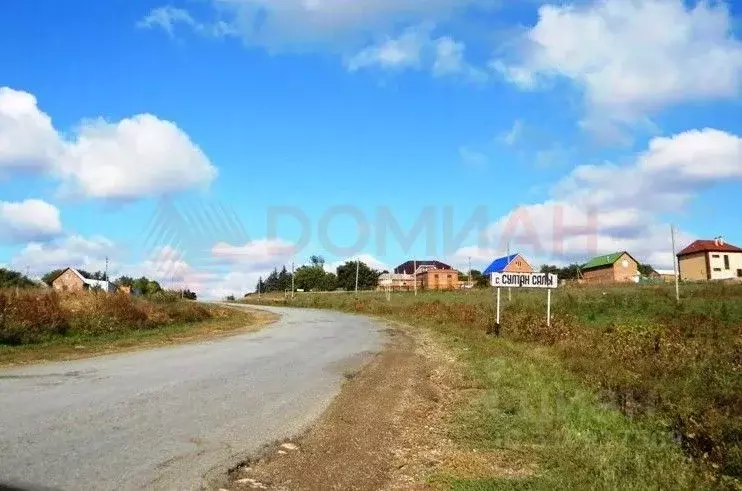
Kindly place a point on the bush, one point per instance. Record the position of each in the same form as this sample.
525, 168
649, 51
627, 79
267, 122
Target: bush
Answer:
30, 317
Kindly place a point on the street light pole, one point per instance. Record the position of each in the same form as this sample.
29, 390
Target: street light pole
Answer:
292, 280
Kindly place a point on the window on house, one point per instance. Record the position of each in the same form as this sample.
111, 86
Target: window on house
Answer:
715, 256
717, 269
726, 262
739, 273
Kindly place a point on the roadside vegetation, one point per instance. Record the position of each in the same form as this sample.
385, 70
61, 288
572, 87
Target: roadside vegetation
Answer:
626, 389
38, 324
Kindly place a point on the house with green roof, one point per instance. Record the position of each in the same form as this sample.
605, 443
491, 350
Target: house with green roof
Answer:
618, 267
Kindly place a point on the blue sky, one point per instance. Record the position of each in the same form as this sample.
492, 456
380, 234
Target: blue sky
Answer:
395, 112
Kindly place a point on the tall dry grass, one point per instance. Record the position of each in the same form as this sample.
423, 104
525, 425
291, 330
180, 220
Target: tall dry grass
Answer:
36, 316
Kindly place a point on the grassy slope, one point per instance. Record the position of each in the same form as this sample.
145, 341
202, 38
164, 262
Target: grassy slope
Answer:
79, 345
539, 401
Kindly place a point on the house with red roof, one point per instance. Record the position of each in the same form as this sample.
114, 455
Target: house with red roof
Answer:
705, 260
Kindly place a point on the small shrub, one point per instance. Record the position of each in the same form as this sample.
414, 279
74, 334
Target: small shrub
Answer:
30, 317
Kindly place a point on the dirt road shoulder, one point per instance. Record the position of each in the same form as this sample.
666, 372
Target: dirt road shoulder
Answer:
386, 430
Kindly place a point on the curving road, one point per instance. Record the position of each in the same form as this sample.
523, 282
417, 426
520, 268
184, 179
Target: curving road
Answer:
162, 419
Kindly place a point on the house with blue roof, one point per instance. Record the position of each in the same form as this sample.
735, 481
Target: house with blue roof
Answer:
514, 263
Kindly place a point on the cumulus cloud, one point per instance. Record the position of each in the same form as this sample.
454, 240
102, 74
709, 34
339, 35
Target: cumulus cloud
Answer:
29, 220
631, 58
70, 251
604, 208
27, 138
131, 158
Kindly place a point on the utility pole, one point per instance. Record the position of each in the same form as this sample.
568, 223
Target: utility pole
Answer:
105, 274
470, 285
675, 264
292, 280
260, 284
358, 267
414, 274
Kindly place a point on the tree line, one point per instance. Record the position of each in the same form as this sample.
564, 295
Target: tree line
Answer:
313, 277
143, 285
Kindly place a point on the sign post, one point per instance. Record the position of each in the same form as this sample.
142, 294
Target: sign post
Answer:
526, 280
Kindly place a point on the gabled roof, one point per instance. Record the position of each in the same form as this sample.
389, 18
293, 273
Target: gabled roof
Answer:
708, 246
499, 264
606, 260
103, 284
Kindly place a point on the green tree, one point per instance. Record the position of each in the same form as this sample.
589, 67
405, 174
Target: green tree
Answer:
14, 279
368, 278
284, 280
646, 270
272, 283
310, 278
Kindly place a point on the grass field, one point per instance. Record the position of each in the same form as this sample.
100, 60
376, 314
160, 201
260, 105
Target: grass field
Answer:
38, 325
625, 389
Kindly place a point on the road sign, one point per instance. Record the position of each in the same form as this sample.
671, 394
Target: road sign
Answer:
525, 280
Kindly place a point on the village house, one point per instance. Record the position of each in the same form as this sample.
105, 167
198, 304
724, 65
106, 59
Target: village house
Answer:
430, 275
71, 280
397, 281
619, 267
705, 260
514, 263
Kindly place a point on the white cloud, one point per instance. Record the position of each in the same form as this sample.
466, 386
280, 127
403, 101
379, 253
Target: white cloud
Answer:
137, 156
473, 158
303, 24
71, 251
29, 220
168, 17
604, 208
371, 261
662, 178
415, 48
27, 138
255, 255
514, 133
631, 57
394, 53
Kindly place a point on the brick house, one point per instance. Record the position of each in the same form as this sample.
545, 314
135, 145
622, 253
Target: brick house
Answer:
438, 279
71, 280
430, 275
705, 260
619, 267
514, 263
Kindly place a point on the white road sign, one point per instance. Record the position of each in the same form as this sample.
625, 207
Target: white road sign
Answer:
525, 280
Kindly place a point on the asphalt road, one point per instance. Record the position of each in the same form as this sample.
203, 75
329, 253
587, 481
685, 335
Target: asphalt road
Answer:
164, 418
